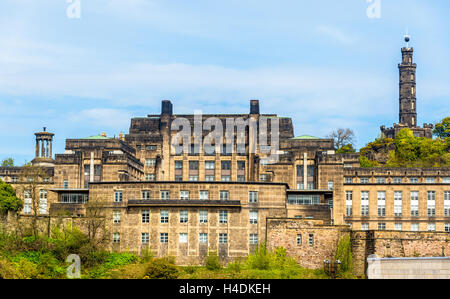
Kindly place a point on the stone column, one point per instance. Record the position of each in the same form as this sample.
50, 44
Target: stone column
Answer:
305, 171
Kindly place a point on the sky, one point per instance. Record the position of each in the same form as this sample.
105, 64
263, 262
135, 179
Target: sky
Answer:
82, 67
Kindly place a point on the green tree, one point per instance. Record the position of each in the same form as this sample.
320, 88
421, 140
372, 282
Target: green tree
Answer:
442, 129
346, 149
8, 162
8, 199
344, 253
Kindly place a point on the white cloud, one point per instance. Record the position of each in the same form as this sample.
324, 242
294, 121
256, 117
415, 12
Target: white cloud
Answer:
102, 118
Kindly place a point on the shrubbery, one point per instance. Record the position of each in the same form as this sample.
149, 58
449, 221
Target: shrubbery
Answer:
161, 268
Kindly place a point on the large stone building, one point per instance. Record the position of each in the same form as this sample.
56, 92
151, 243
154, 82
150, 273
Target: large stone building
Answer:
225, 198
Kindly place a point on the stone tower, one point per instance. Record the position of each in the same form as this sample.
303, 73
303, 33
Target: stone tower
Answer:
407, 103
407, 98
44, 144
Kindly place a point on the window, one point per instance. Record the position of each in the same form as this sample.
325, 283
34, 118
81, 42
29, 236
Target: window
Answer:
118, 196
431, 227
447, 227
330, 185
241, 165
165, 195
116, 237
348, 203
164, 237
364, 180
150, 162
253, 217
253, 197
299, 239
27, 201
193, 178
145, 216
224, 195
398, 203
413, 180
66, 184
184, 195
145, 195
364, 226
164, 216
241, 178
116, 216
397, 180
145, 238
43, 201
415, 227
203, 238
209, 178
415, 203
150, 147
431, 203
210, 165
226, 165
398, 226
193, 165
226, 178
381, 180
149, 177
178, 164
348, 180
203, 216
430, 180
223, 216
253, 240
381, 196
223, 238
447, 203
183, 238
446, 180
204, 195
381, 226
311, 240
303, 199
184, 216
364, 203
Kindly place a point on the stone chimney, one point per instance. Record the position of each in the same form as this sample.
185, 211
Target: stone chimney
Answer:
166, 107
254, 106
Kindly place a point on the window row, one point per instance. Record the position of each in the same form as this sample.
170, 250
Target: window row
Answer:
28, 201
397, 180
185, 195
400, 227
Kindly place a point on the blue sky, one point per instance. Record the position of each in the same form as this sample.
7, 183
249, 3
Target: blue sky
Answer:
323, 63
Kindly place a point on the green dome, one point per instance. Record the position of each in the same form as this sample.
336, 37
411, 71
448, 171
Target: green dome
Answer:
306, 137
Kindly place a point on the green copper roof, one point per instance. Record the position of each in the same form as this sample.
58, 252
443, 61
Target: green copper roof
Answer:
97, 137
306, 137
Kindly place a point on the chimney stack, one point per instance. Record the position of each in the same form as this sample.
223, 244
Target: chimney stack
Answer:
166, 107
254, 106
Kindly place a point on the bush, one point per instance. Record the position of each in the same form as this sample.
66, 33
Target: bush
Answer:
162, 268
260, 259
212, 261
344, 253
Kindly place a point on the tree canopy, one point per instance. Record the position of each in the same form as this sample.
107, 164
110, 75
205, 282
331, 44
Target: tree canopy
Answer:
8, 162
8, 199
442, 129
342, 138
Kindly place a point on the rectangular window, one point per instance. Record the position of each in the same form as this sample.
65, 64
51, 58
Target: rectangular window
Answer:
118, 196
364, 226
116, 216
447, 203
381, 197
184, 216
183, 238
116, 237
415, 227
364, 203
224, 195
241, 165
223, 238
446, 180
43, 201
241, 178
447, 227
348, 180
203, 238
381, 226
145, 195
149, 177
311, 240
253, 217
164, 237
299, 239
210, 165
165, 195
204, 195
209, 178
164, 216
413, 180
145, 238
431, 227
203, 216
184, 195
223, 216
381, 180
398, 203
145, 216
150, 162
431, 203
253, 240
348, 203
364, 180
430, 180
398, 226
330, 185
397, 180
150, 147
193, 165
226, 165
226, 178
252, 196
415, 203
178, 164
66, 184
193, 178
